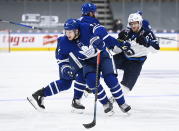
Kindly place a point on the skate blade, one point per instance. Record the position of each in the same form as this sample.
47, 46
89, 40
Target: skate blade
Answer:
126, 111
110, 113
77, 111
32, 101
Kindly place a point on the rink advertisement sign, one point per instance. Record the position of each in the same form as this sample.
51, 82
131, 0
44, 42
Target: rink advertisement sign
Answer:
48, 41
33, 42
168, 41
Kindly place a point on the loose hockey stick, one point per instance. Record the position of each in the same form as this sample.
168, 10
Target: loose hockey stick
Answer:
165, 38
19, 24
93, 123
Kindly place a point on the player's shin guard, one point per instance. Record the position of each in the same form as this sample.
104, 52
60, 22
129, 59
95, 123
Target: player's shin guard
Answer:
56, 87
116, 91
101, 95
78, 90
103, 99
118, 96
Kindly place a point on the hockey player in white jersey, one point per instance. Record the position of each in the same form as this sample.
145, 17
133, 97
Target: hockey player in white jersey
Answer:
141, 41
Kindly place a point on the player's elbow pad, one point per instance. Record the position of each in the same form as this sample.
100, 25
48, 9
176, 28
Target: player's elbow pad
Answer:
100, 31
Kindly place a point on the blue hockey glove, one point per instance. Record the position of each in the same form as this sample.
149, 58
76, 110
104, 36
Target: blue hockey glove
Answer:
67, 72
97, 43
143, 41
126, 47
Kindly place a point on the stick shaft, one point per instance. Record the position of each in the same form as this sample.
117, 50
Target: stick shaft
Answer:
93, 123
165, 38
19, 24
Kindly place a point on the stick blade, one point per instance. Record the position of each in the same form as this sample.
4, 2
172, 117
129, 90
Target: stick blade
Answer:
90, 125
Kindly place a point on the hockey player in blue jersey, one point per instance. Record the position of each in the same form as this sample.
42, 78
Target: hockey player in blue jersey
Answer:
67, 74
82, 42
88, 11
142, 41
88, 16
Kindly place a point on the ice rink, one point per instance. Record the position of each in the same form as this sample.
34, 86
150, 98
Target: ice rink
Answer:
154, 100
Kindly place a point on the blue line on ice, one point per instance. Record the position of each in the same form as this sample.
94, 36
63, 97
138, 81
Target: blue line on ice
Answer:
137, 96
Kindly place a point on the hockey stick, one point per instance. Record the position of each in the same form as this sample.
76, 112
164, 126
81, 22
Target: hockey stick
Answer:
19, 24
165, 38
93, 123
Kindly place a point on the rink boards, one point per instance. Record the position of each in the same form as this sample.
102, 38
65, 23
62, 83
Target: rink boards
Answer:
48, 41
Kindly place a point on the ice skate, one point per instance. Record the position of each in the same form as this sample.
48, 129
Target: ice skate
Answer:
37, 100
77, 107
108, 109
124, 107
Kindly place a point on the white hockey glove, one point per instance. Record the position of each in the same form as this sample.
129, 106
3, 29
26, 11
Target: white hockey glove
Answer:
88, 52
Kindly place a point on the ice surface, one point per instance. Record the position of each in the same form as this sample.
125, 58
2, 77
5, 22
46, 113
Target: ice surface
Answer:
154, 100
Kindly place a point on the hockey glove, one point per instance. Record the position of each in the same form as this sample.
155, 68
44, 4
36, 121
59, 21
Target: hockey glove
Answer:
97, 43
143, 41
122, 35
67, 72
126, 47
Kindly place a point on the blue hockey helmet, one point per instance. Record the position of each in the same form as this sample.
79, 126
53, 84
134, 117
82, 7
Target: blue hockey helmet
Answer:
139, 12
71, 24
88, 7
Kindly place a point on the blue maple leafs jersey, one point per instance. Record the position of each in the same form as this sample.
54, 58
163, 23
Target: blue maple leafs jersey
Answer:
66, 46
87, 31
89, 19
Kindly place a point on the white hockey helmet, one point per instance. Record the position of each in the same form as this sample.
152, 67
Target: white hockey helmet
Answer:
135, 17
